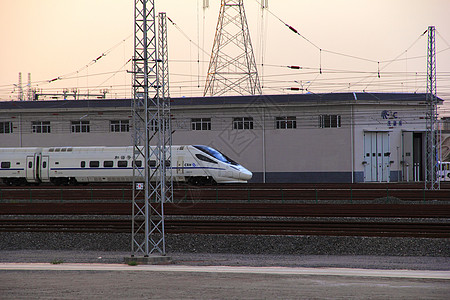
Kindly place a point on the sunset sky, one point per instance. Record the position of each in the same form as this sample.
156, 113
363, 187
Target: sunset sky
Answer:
61, 38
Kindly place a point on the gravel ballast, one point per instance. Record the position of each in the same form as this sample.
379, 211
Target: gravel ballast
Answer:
237, 244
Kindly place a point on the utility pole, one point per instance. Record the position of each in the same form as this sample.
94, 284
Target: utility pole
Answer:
29, 89
432, 180
150, 112
232, 67
20, 88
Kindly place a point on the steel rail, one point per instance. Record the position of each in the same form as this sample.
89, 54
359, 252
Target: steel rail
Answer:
249, 227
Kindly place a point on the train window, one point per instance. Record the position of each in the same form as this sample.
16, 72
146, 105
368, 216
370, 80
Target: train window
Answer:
108, 164
168, 164
138, 163
83, 164
152, 163
94, 164
30, 164
204, 158
44, 164
216, 154
5, 165
122, 163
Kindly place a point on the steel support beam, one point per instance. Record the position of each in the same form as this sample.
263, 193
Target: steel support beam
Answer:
232, 67
432, 180
150, 158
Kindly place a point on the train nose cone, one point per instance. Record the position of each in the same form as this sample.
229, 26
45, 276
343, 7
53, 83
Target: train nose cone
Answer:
245, 174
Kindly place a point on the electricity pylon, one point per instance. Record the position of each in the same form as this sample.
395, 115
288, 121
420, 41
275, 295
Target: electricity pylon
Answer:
232, 68
432, 181
151, 125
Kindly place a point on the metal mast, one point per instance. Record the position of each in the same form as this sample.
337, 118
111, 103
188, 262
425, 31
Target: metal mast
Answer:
432, 181
149, 162
29, 89
165, 124
232, 67
19, 86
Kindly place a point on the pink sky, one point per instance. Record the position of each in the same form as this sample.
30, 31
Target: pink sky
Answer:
58, 38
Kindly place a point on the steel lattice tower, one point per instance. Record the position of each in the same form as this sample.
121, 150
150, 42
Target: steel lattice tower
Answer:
20, 88
232, 67
165, 122
150, 190
432, 181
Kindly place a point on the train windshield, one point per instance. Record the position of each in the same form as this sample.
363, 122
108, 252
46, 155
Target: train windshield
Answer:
216, 154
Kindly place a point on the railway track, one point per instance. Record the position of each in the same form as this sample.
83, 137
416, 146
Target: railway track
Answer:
250, 192
249, 227
237, 209
396, 220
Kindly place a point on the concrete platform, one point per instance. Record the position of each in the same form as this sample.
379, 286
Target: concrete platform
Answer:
150, 260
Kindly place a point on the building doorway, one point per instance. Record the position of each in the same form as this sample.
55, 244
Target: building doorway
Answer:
377, 157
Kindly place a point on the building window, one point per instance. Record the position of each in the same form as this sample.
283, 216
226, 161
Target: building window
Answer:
80, 126
201, 124
120, 126
286, 122
40, 127
154, 125
6, 127
243, 123
329, 121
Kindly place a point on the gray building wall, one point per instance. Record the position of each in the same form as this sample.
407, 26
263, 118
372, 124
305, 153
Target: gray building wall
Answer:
306, 153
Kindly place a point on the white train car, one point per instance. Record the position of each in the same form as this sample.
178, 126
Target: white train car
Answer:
18, 165
71, 165
197, 165
444, 171
211, 165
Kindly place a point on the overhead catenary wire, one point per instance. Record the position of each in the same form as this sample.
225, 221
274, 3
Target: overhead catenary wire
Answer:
92, 62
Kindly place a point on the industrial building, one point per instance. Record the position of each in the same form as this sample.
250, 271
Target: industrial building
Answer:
336, 137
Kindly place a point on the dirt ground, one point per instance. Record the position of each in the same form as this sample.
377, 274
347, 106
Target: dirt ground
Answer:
174, 285
95, 284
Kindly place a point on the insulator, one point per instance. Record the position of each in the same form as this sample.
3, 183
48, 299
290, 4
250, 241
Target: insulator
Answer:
292, 28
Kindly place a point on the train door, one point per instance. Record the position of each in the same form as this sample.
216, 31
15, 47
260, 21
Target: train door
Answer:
45, 169
180, 165
32, 168
376, 157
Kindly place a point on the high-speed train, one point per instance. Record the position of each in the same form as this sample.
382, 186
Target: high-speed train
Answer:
194, 164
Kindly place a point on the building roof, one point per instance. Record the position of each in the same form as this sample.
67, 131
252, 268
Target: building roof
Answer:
222, 100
